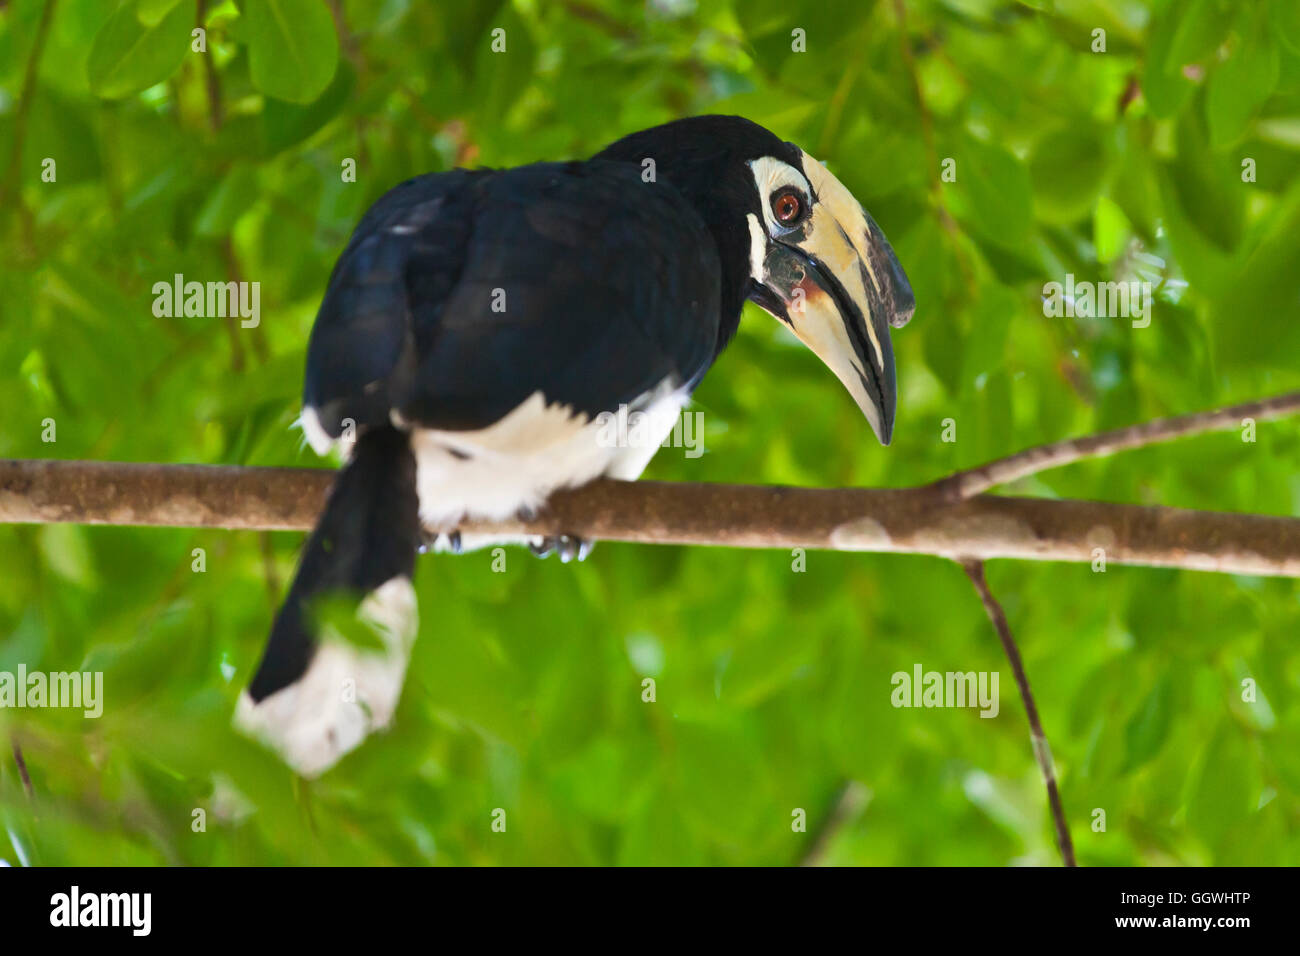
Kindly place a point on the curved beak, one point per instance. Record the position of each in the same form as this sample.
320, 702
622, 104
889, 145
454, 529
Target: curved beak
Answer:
836, 282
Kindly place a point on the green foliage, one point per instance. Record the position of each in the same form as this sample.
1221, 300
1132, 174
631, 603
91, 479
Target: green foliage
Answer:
292, 48
772, 687
137, 48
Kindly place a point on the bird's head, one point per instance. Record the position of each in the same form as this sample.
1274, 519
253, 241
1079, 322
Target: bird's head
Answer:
794, 241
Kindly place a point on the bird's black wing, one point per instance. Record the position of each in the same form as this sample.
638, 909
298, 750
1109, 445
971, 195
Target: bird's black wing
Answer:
461, 294
408, 250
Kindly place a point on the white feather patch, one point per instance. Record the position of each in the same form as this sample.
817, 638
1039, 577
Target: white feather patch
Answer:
347, 692
309, 422
534, 450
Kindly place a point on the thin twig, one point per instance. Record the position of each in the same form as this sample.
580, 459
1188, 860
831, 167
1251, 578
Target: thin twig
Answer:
1132, 90
233, 325
211, 79
847, 804
601, 20
22, 770
347, 41
13, 179
965, 484
1042, 750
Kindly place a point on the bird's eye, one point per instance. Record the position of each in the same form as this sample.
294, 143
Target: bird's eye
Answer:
787, 207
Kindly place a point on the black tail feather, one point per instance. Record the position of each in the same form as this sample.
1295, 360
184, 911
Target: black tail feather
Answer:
367, 535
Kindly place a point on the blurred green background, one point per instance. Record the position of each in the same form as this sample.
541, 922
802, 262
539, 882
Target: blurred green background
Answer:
773, 687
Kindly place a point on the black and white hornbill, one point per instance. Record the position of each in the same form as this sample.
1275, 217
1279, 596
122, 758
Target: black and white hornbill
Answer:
480, 321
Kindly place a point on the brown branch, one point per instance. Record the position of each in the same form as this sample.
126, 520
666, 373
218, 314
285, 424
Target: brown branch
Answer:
1042, 750
743, 516
965, 484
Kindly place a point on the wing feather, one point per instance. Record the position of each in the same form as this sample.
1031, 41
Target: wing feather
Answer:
461, 294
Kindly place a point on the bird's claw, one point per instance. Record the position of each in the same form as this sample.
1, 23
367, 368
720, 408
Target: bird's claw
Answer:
440, 541
567, 546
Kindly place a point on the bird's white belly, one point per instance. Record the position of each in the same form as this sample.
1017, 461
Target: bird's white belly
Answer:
516, 463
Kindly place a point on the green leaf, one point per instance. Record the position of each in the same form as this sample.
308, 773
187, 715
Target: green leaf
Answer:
1205, 206
151, 12
287, 124
1164, 86
985, 351
334, 617
292, 48
942, 346
1228, 787
60, 128
724, 773
500, 76
1068, 169
1111, 229
230, 200
67, 552
129, 56
1147, 729
1201, 26
1238, 88
1267, 283
997, 188
1286, 23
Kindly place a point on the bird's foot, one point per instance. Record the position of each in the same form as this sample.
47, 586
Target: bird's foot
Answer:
439, 541
567, 546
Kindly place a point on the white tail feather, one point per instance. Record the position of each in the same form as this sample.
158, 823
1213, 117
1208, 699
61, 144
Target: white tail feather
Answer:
346, 693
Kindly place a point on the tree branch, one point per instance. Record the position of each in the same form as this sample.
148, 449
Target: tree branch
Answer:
744, 516
965, 484
1042, 750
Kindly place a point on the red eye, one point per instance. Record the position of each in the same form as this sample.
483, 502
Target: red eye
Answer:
787, 207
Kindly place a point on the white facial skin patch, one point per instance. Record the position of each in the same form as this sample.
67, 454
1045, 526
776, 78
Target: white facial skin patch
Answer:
757, 248
770, 174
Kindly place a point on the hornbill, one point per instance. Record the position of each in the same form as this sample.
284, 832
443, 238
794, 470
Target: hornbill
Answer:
480, 322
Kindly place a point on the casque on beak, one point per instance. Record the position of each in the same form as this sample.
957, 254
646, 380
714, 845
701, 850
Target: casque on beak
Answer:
836, 282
